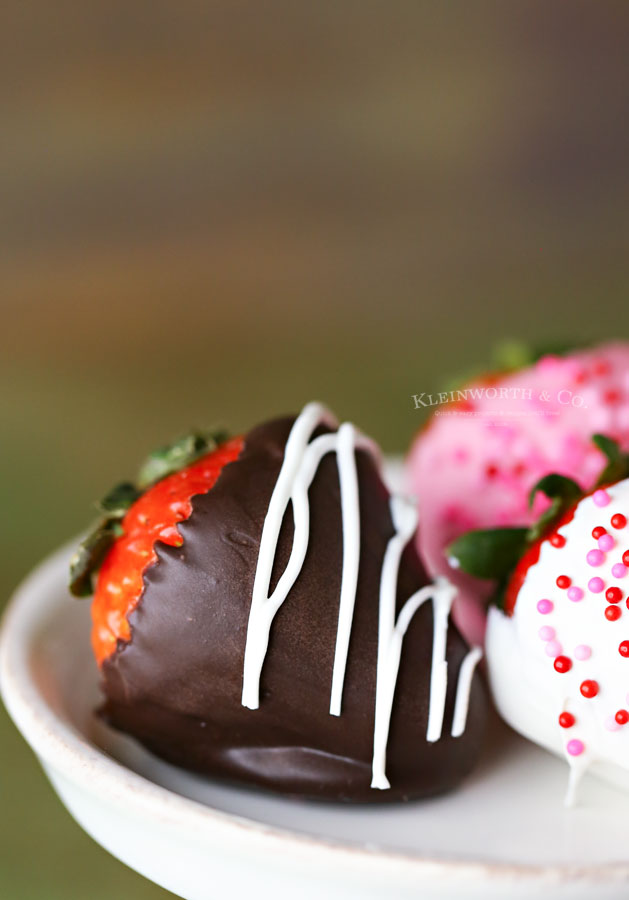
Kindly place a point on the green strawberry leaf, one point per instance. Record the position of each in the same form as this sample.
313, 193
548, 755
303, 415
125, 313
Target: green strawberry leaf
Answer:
119, 499
178, 455
562, 492
494, 553
556, 487
114, 505
608, 446
488, 553
513, 355
90, 555
617, 466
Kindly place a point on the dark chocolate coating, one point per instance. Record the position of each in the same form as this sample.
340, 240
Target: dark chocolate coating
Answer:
177, 685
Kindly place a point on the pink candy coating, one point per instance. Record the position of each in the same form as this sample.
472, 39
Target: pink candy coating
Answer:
545, 606
553, 649
619, 570
575, 747
583, 651
527, 439
611, 724
601, 498
546, 633
596, 585
606, 543
595, 558
575, 594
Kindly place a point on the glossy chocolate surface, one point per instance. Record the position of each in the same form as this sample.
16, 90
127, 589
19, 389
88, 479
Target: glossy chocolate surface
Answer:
177, 685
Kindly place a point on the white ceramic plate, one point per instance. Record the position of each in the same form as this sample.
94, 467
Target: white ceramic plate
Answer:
505, 833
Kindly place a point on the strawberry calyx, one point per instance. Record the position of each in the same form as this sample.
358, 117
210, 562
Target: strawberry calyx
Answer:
151, 520
113, 507
504, 555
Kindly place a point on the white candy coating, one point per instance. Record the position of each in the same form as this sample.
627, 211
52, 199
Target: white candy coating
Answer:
529, 692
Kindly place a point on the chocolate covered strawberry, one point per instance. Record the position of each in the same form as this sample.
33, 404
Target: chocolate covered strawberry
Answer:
487, 443
261, 614
558, 642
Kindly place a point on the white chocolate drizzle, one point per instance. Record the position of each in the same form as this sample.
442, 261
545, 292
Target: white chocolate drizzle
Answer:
301, 460
302, 457
464, 686
391, 634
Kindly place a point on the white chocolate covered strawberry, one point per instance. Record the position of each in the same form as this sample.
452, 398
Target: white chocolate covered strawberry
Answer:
558, 648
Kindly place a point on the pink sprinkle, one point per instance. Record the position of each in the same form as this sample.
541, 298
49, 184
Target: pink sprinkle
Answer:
606, 543
546, 633
611, 724
595, 558
583, 651
575, 747
575, 594
601, 498
619, 570
596, 585
553, 649
546, 606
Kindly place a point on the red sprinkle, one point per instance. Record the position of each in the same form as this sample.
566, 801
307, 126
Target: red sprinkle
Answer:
625, 557
613, 613
612, 397
564, 582
566, 720
589, 688
562, 664
598, 532
491, 470
557, 540
622, 716
613, 594
602, 367
623, 648
619, 521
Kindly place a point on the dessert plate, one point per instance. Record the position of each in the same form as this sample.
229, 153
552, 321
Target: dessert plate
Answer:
505, 832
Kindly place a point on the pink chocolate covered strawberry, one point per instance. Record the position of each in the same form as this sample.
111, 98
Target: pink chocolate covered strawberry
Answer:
475, 463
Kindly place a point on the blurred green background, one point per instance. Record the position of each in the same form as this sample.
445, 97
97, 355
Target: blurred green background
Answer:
213, 212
